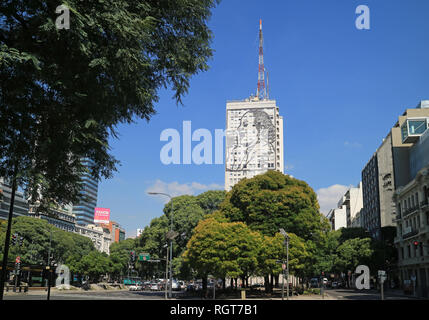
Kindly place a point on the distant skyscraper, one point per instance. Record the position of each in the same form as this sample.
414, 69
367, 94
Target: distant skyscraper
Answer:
254, 132
84, 210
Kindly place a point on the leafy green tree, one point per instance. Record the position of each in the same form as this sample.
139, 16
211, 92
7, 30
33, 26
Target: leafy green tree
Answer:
385, 253
353, 233
223, 250
187, 212
272, 201
64, 91
120, 256
210, 201
36, 234
94, 265
352, 253
114, 58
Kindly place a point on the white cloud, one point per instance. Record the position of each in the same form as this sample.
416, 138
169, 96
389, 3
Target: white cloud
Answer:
352, 144
329, 197
176, 189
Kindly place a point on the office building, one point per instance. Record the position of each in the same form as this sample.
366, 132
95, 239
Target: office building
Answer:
352, 201
84, 209
389, 169
117, 233
337, 218
20, 206
412, 205
254, 133
100, 236
61, 217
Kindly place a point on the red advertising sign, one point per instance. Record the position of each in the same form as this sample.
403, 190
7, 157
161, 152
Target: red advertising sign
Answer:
102, 215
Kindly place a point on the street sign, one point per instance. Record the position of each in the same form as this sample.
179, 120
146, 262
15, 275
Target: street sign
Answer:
144, 257
171, 234
381, 273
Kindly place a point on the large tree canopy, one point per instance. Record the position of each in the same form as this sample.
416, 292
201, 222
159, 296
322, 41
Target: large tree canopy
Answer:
273, 200
62, 92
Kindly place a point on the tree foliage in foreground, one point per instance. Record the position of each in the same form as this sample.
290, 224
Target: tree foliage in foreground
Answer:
64, 91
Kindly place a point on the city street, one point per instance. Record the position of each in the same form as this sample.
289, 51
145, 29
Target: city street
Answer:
89, 295
330, 294
350, 294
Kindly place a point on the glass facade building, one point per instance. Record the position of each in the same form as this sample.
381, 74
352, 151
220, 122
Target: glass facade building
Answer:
20, 207
84, 210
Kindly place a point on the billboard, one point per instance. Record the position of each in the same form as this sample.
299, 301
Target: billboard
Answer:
102, 215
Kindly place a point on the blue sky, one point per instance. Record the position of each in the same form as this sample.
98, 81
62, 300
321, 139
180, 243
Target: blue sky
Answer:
339, 90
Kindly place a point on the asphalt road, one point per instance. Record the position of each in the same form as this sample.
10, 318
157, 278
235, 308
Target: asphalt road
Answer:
348, 294
332, 294
89, 295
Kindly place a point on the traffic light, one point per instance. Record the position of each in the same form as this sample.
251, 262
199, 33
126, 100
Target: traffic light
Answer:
20, 240
133, 256
416, 243
14, 239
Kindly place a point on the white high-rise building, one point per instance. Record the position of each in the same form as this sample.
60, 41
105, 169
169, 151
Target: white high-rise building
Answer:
254, 139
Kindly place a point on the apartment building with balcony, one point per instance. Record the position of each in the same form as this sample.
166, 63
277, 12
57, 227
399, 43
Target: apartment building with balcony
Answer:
412, 238
412, 202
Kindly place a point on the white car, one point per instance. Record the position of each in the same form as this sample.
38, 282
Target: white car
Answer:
176, 286
133, 287
154, 287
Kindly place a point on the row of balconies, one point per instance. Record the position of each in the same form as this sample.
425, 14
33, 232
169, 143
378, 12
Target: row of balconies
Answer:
412, 232
413, 209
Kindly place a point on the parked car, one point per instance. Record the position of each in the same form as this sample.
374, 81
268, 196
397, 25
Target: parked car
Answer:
175, 286
134, 287
155, 286
314, 283
334, 285
182, 285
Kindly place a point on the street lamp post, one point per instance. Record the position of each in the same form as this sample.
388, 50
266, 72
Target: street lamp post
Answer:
284, 234
166, 270
171, 240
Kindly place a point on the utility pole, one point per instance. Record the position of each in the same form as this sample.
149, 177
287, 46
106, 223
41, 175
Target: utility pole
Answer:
7, 238
166, 272
283, 232
49, 266
171, 236
287, 265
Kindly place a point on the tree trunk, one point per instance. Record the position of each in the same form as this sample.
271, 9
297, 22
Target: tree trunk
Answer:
204, 291
7, 238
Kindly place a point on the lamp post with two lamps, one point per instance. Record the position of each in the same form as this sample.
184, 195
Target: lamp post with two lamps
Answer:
171, 236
